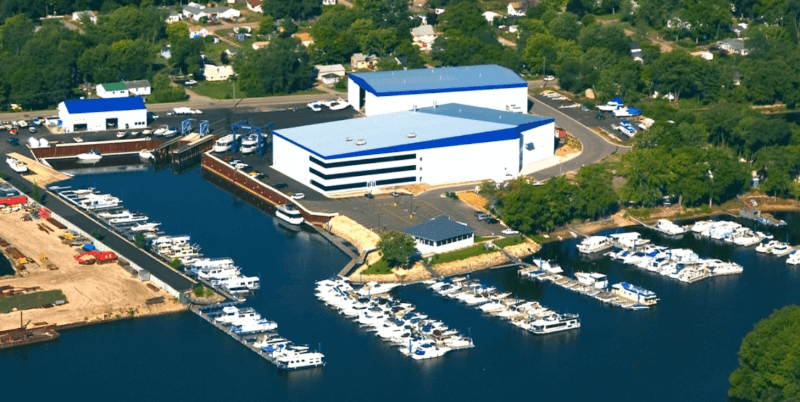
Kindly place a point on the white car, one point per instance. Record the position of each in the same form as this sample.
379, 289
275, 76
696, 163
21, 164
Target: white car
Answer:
298, 196
197, 111
549, 78
336, 105
315, 106
190, 83
510, 232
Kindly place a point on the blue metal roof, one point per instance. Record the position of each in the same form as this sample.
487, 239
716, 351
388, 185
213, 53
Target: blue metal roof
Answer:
389, 133
439, 228
104, 105
449, 79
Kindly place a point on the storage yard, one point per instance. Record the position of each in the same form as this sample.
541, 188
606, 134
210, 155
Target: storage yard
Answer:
94, 292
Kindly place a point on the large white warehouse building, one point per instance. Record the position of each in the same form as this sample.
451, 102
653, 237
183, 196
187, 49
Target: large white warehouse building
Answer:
489, 86
102, 114
445, 144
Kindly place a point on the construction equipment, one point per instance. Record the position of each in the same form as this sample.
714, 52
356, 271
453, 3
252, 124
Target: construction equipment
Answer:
47, 263
91, 257
72, 239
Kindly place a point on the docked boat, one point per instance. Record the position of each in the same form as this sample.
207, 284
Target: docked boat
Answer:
249, 327
290, 214
130, 219
223, 144
16, 165
424, 350
634, 293
146, 155
555, 323
219, 273
594, 279
629, 240
781, 249
242, 284
595, 244
794, 258
767, 246
548, 266
90, 156
121, 134
668, 228
232, 315
146, 227
374, 288
99, 202
292, 360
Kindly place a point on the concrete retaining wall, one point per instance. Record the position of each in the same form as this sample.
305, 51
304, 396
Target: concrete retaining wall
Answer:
105, 148
261, 190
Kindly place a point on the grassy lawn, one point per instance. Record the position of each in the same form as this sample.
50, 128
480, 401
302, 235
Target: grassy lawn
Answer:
217, 89
510, 241
481, 239
461, 254
378, 268
247, 43
30, 300
214, 51
426, 57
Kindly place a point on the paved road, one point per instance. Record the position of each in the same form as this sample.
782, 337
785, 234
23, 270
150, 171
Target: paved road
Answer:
595, 147
111, 239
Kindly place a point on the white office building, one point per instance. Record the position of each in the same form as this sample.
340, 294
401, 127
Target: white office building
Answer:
440, 235
102, 114
450, 143
488, 86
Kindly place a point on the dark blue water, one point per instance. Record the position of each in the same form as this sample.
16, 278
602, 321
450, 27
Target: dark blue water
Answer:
683, 349
5, 266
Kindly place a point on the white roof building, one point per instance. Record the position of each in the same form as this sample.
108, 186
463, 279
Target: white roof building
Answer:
217, 73
337, 69
423, 36
102, 114
77, 15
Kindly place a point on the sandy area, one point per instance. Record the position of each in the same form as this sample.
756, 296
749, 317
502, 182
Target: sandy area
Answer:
474, 199
93, 291
38, 173
471, 264
414, 274
572, 146
354, 233
523, 250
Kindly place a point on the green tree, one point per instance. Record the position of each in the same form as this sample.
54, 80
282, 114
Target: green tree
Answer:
163, 90
281, 68
177, 31
565, 26
396, 247
297, 9
16, 32
595, 195
35, 193
175, 263
139, 240
266, 25
768, 360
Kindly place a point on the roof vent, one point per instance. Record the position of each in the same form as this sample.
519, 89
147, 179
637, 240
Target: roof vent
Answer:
348, 139
361, 142
412, 135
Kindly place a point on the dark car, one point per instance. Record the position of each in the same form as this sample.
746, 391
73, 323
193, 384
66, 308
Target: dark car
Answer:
13, 141
281, 185
369, 195
599, 116
492, 221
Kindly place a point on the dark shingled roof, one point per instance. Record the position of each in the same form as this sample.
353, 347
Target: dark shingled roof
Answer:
439, 228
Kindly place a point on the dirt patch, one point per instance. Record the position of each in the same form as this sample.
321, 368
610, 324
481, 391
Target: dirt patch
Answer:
94, 292
416, 188
414, 274
474, 199
572, 146
471, 264
522, 250
354, 233
39, 173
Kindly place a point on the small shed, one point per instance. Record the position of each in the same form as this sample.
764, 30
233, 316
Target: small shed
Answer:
441, 234
112, 90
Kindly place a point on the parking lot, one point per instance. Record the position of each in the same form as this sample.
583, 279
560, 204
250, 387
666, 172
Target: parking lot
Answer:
586, 116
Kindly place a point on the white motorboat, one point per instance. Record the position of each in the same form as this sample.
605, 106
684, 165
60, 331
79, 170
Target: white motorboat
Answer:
261, 325
98, 202
250, 144
548, 266
146, 155
595, 244
781, 249
594, 279
233, 315
223, 144
315, 106
634, 293
147, 132
717, 268
338, 104
299, 360
629, 240
121, 134
170, 133
160, 131
794, 258
668, 228
146, 227
554, 323
290, 214
240, 284
374, 288
90, 156
218, 273
16, 165
424, 350
767, 246
128, 220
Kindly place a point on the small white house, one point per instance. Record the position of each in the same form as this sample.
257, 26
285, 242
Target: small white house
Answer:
330, 79
423, 36
337, 69
516, 9
77, 15
217, 73
112, 90
254, 6
173, 17
491, 15
139, 87
197, 32
441, 234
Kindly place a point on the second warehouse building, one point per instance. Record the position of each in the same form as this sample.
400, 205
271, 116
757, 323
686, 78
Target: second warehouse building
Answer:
444, 144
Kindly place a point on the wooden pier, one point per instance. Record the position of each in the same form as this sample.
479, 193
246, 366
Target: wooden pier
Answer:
602, 295
190, 153
245, 340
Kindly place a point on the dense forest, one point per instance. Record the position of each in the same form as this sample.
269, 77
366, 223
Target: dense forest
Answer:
768, 360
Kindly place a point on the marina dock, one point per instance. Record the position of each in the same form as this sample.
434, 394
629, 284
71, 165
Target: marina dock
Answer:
602, 295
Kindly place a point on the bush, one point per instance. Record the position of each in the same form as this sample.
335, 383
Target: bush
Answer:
96, 234
139, 240
341, 85
175, 263
589, 105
